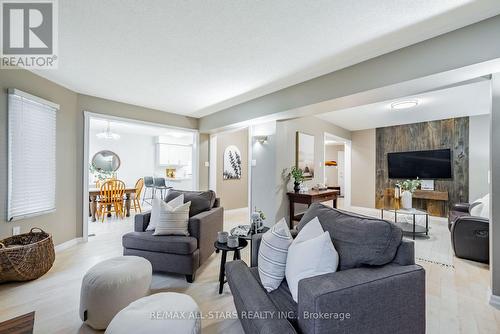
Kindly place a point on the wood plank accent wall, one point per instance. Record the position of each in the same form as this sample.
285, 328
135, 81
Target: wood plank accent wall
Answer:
449, 133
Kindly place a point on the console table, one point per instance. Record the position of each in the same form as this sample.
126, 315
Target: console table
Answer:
308, 198
433, 201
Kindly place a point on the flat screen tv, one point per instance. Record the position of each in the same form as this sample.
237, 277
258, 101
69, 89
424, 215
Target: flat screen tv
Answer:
433, 164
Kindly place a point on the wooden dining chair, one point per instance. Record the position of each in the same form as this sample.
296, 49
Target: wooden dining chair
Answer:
111, 198
136, 197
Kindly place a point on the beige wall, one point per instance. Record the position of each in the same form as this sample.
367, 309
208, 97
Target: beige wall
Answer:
363, 168
285, 153
66, 222
233, 193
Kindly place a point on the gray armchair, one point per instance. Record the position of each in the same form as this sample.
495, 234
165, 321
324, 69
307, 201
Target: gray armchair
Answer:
378, 288
175, 253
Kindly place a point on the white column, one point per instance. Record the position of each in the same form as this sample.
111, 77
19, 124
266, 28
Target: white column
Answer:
495, 191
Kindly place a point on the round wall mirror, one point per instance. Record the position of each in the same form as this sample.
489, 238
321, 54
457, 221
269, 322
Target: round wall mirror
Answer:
106, 161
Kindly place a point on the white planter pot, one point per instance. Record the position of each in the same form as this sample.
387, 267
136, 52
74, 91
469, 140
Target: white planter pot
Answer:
406, 200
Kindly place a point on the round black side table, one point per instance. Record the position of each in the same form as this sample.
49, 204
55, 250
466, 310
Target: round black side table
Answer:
236, 256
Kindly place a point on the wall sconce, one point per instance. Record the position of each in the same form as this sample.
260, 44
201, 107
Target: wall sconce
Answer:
261, 139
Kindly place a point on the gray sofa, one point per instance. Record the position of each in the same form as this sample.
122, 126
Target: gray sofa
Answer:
377, 288
179, 254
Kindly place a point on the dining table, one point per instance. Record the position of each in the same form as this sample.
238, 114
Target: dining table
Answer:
93, 198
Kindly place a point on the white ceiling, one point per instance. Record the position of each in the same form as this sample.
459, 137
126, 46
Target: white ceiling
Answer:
196, 57
124, 128
466, 100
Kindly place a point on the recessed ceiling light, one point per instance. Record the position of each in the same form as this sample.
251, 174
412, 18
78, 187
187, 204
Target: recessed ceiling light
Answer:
404, 104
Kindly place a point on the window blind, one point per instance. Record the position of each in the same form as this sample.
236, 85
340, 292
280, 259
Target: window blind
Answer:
31, 155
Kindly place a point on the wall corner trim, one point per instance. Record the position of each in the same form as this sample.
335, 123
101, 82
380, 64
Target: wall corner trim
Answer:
68, 244
493, 300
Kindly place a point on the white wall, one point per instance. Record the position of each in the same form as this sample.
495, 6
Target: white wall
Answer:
136, 152
479, 156
264, 181
363, 168
331, 173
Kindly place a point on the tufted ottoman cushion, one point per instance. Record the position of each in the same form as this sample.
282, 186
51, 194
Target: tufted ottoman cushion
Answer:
166, 312
110, 286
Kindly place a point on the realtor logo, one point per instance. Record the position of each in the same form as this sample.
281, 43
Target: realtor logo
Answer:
29, 37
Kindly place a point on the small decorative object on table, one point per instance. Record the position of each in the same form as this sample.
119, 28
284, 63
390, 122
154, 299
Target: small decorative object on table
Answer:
257, 218
233, 241
298, 177
408, 187
222, 237
241, 230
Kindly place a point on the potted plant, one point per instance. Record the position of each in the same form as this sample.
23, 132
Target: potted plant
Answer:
298, 177
407, 188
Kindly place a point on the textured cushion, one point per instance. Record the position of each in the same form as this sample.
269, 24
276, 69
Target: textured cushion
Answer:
200, 200
172, 244
173, 220
157, 208
311, 254
166, 312
111, 285
358, 239
272, 255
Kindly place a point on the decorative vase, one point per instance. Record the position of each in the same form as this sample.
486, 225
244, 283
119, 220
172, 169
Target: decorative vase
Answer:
406, 199
296, 186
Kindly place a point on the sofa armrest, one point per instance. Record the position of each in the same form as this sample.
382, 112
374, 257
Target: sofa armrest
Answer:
462, 207
470, 238
257, 313
204, 227
141, 221
387, 299
256, 239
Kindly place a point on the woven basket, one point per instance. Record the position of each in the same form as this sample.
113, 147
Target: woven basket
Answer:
26, 257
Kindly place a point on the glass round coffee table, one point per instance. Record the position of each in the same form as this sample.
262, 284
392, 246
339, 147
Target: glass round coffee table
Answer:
408, 228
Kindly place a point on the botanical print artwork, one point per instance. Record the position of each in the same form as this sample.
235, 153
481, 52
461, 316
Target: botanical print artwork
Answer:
232, 163
305, 154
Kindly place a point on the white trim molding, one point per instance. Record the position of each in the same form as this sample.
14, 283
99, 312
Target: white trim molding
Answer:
68, 244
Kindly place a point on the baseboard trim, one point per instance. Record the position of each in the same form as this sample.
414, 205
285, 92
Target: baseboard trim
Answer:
68, 244
494, 300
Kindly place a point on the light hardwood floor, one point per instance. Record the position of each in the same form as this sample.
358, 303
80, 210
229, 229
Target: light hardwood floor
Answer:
456, 298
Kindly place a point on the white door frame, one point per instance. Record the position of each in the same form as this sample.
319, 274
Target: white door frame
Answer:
89, 115
347, 165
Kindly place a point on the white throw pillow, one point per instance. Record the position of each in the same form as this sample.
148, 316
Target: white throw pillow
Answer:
173, 220
311, 254
485, 210
476, 209
273, 251
156, 209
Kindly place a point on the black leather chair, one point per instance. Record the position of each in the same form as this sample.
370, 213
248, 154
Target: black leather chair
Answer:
469, 234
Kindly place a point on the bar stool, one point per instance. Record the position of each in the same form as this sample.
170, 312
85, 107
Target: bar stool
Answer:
148, 184
159, 184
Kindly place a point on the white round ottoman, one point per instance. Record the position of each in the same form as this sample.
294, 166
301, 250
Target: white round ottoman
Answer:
166, 312
110, 286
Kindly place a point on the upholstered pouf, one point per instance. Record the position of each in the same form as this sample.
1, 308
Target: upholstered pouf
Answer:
110, 286
166, 312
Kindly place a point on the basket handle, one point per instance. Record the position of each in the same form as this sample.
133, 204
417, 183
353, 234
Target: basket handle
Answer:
37, 228
2, 245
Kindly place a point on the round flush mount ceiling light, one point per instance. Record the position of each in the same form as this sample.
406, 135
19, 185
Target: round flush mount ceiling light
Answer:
404, 104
